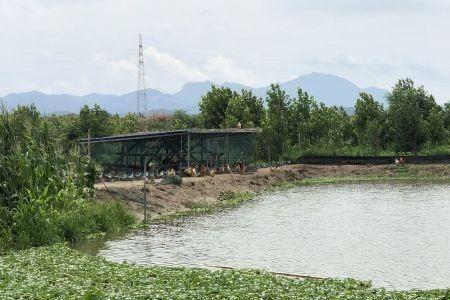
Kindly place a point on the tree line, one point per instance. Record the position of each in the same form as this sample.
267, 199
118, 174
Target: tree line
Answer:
411, 122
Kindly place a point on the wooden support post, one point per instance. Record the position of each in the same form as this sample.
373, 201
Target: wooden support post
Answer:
217, 153
141, 162
89, 142
167, 155
201, 147
189, 150
227, 140
209, 154
181, 150
135, 158
126, 157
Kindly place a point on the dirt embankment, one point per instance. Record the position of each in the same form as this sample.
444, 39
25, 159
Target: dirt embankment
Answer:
194, 192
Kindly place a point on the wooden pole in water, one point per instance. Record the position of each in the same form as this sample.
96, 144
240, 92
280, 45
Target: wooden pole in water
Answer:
275, 273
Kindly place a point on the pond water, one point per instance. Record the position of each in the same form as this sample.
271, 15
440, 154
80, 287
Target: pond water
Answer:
397, 235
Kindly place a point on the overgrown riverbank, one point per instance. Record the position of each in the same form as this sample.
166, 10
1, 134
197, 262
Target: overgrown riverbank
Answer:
196, 195
46, 190
57, 272
62, 273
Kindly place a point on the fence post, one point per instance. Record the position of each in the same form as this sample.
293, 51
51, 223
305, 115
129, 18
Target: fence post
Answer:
145, 191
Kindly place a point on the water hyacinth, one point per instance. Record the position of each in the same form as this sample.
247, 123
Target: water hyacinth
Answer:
57, 272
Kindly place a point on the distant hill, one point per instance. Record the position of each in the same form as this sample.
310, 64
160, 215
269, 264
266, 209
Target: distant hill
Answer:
330, 89
190, 94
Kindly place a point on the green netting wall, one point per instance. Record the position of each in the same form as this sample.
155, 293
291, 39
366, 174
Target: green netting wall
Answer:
172, 151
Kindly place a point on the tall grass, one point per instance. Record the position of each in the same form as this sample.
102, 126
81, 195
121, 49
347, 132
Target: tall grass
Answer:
45, 192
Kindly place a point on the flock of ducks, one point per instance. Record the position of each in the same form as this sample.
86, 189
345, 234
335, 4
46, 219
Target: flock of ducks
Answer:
191, 171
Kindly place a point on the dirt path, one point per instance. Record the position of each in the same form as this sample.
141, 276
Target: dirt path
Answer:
194, 192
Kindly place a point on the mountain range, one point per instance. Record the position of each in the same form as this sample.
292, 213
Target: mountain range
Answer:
329, 89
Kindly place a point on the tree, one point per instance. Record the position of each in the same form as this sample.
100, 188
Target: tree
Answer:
255, 106
373, 136
245, 108
409, 107
276, 123
180, 119
96, 120
65, 128
329, 126
436, 126
27, 113
299, 117
368, 121
126, 124
237, 111
213, 107
447, 115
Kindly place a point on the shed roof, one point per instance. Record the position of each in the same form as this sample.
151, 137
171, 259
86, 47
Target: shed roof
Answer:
158, 134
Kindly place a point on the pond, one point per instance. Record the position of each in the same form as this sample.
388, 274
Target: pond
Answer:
397, 235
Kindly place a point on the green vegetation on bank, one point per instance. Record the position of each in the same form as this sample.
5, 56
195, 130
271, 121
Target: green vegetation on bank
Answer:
398, 173
356, 179
45, 190
226, 200
57, 272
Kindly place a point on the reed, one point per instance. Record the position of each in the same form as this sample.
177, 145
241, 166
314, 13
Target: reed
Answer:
46, 192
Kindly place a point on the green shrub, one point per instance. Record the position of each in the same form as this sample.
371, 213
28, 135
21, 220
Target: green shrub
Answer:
175, 180
43, 195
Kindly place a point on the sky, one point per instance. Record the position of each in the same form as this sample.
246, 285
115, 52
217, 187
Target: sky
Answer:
90, 46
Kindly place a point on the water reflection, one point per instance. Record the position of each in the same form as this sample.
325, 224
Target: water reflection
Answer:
397, 235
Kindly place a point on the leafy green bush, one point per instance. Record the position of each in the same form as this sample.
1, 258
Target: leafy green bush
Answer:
45, 190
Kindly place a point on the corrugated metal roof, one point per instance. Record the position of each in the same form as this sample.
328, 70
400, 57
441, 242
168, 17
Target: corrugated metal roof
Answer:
169, 133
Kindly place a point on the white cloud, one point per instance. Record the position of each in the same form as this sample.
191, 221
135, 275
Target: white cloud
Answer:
174, 65
220, 68
216, 68
122, 66
58, 87
44, 53
116, 67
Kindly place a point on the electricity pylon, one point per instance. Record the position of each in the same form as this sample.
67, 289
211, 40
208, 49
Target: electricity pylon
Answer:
141, 97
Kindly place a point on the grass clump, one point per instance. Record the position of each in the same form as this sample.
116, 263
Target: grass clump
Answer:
173, 179
46, 191
231, 198
57, 272
226, 200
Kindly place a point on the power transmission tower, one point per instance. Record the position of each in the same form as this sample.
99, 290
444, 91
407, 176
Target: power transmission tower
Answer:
141, 97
